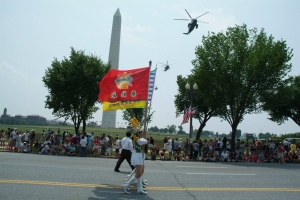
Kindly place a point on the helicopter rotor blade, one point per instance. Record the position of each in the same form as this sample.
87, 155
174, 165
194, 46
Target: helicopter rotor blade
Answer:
182, 19
188, 13
203, 22
202, 15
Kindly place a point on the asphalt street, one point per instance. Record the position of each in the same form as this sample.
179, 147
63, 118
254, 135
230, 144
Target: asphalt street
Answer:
32, 176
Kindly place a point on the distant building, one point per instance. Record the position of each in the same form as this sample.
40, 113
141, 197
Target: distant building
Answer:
30, 118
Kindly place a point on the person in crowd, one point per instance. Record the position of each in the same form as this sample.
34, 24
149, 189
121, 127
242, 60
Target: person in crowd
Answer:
72, 150
53, 149
175, 145
26, 136
165, 141
153, 153
151, 143
241, 150
195, 149
252, 148
228, 145
103, 144
18, 145
204, 156
2, 139
294, 157
211, 156
217, 148
180, 145
271, 147
224, 141
42, 138
126, 152
162, 154
62, 148
177, 156
90, 144
83, 144
58, 137
117, 147
97, 146
25, 148
280, 152
45, 149
246, 157
109, 146
261, 157
169, 147
32, 139
233, 156
224, 156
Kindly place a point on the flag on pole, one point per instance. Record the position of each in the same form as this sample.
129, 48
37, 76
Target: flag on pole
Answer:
186, 116
151, 84
192, 111
125, 85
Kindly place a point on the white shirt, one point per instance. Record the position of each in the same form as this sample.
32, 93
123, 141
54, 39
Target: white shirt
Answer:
224, 154
127, 143
83, 142
118, 144
170, 143
179, 144
26, 136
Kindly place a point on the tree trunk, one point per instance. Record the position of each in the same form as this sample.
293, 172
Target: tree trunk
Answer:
202, 125
233, 129
83, 126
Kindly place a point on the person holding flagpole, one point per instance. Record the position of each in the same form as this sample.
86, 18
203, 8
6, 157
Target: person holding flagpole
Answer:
137, 159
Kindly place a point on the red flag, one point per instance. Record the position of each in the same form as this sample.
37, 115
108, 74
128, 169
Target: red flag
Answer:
124, 85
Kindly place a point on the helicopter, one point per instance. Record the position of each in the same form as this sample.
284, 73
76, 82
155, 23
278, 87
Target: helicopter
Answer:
166, 66
193, 22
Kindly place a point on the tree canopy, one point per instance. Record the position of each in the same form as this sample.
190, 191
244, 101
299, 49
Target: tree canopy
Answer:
284, 103
73, 86
233, 69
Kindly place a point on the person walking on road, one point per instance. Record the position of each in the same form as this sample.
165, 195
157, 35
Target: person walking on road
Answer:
126, 151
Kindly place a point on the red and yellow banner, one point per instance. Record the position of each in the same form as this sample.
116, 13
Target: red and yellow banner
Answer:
107, 106
124, 85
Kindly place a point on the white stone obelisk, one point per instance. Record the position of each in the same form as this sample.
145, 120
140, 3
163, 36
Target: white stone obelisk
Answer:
109, 117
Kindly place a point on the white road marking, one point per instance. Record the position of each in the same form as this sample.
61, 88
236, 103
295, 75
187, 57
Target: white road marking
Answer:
202, 167
221, 174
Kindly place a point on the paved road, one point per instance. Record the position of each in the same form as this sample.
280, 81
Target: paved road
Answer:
32, 176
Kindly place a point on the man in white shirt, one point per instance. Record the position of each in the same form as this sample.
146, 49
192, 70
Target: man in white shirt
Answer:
118, 145
83, 144
127, 148
169, 147
224, 156
26, 136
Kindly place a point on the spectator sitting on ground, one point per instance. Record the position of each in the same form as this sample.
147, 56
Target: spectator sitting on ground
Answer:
177, 156
287, 158
254, 157
267, 157
204, 156
153, 153
233, 156
274, 158
261, 157
224, 156
54, 149
72, 150
25, 148
185, 157
45, 150
295, 158
246, 157
162, 154
211, 156
62, 148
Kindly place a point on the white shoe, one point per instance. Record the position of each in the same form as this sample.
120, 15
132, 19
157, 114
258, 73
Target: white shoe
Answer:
127, 185
140, 187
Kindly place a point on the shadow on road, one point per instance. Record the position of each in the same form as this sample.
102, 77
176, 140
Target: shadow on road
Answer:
113, 193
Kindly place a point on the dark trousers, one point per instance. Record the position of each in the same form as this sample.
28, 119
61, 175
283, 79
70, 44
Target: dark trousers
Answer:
83, 152
125, 154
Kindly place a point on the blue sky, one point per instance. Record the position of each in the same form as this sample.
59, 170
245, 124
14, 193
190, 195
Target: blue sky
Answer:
33, 33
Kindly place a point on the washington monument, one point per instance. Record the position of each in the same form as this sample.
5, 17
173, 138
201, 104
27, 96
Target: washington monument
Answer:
109, 117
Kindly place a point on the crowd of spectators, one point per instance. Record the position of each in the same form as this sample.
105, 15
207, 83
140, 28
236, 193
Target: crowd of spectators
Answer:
220, 150
212, 150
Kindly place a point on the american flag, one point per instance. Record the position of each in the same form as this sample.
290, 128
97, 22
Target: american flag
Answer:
192, 111
186, 116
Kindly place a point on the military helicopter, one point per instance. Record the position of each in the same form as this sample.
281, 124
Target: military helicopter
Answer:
193, 22
166, 66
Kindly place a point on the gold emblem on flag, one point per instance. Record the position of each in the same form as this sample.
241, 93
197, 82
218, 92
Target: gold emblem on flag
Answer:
124, 81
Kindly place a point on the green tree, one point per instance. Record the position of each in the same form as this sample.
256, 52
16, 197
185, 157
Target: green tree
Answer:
73, 86
172, 129
205, 110
284, 103
238, 66
138, 113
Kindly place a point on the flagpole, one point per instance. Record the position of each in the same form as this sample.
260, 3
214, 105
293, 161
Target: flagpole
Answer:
146, 106
152, 94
